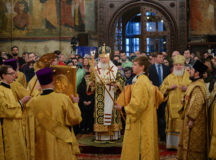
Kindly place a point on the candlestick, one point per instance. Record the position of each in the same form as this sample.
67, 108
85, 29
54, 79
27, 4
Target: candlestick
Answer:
93, 55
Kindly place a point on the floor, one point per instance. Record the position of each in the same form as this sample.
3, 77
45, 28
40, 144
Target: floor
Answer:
93, 150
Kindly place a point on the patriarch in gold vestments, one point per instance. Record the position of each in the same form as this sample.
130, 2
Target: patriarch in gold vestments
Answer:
173, 88
107, 81
141, 133
193, 136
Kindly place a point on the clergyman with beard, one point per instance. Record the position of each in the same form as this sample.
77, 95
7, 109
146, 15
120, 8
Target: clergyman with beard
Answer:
173, 88
106, 84
193, 135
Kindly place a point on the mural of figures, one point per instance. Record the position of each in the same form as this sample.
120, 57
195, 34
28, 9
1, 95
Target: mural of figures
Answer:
37, 21
21, 19
79, 15
202, 13
46, 18
50, 13
66, 13
3, 17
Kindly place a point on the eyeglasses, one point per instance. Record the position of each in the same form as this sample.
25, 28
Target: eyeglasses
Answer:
12, 73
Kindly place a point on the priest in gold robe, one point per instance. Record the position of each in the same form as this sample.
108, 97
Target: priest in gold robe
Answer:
19, 91
193, 135
52, 116
12, 137
141, 133
212, 111
173, 88
106, 82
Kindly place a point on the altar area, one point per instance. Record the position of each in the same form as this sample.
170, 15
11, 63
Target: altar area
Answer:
104, 150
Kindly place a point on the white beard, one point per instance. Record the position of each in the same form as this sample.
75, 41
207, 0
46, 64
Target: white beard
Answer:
104, 66
178, 72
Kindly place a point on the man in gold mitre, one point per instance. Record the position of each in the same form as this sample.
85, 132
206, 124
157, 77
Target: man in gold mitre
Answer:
106, 83
173, 88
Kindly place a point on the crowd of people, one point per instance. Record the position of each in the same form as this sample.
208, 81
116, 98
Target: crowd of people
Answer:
172, 97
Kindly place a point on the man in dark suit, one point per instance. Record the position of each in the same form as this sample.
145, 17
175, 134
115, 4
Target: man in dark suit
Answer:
157, 73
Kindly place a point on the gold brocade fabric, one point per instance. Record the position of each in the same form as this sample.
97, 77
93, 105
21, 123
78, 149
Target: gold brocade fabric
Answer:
19, 92
21, 79
125, 96
212, 153
141, 134
36, 90
50, 121
174, 97
12, 140
99, 109
193, 142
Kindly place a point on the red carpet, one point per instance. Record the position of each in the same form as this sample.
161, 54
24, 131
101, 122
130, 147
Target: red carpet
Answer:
92, 150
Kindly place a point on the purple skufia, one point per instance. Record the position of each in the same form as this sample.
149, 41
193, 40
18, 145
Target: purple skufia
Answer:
45, 76
12, 63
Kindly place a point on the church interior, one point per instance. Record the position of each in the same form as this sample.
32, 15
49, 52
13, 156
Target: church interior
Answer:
81, 26
130, 25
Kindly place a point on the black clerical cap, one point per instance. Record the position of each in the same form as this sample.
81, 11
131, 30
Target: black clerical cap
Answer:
200, 67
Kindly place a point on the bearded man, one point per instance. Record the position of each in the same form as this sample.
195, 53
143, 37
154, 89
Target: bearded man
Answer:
193, 136
106, 83
173, 88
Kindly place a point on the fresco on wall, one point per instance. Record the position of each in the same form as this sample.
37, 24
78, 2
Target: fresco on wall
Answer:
46, 18
203, 17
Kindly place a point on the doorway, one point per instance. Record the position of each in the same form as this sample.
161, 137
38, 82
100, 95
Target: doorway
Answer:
143, 28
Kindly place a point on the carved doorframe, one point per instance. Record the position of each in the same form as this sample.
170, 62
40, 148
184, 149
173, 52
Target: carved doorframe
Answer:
110, 10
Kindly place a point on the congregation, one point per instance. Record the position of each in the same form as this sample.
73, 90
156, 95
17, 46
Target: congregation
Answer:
172, 101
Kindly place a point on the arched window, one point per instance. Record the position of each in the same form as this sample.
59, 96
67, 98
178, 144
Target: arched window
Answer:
145, 31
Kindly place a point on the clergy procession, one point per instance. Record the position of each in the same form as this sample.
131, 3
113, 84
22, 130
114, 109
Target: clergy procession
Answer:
143, 100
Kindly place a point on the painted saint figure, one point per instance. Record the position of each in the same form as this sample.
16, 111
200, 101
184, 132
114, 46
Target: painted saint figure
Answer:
21, 20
